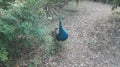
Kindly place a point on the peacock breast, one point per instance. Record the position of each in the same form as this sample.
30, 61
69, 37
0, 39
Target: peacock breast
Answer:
63, 35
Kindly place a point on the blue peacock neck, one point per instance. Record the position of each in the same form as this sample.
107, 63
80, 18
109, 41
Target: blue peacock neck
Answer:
60, 25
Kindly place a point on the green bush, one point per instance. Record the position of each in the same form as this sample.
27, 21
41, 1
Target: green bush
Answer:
5, 3
104, 1
22, 26
3, 52
19, 26
116, 3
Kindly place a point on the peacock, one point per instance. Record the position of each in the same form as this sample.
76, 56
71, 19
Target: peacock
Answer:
62, 35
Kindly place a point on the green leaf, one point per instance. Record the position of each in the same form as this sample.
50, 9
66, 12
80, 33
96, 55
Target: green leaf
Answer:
6, 29
3, 52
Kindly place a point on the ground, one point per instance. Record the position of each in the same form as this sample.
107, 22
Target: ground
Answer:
90, 41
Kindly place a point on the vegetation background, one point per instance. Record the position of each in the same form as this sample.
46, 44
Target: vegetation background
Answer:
24, 30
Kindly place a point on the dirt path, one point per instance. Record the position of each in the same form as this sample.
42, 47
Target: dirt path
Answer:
82, 29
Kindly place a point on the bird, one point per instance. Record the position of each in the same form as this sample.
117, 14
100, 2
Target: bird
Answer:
62, 35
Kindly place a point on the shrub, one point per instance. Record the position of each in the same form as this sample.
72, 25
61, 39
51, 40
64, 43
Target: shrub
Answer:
5, 3
19, 27
22, 25
116, 4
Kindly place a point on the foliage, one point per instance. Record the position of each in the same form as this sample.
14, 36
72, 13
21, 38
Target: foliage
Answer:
53, 7
3, 52
116, 4
104, 1
5, 3
19, 26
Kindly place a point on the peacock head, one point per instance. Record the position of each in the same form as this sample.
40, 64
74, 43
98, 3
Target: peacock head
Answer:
60, 19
